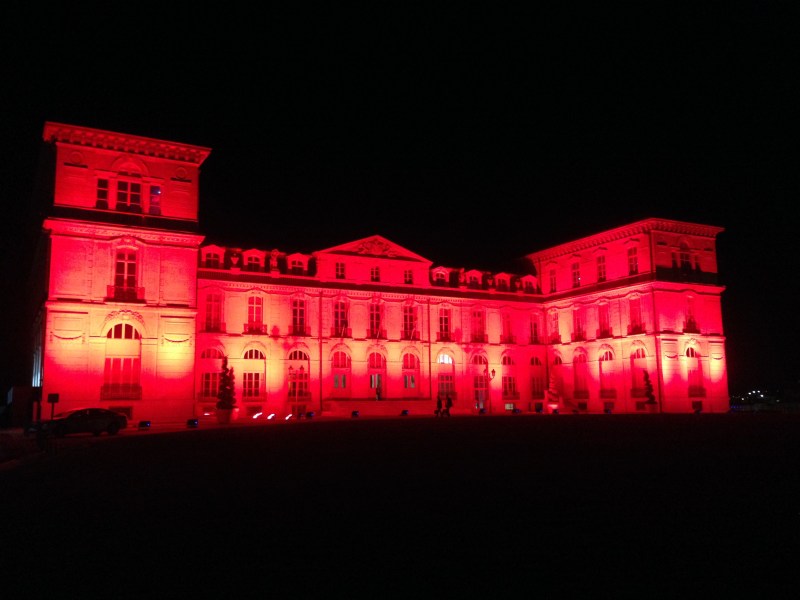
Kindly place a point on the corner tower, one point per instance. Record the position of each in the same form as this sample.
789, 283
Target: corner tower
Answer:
117, 272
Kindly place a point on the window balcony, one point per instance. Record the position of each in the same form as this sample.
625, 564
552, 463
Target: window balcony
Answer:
635, 328
341, 332
690, 326
478, 338
212, 327
299, 330
118, 293
605, 333
410, 335
578, 336
697, 391
555, 339
508, 339
255, 328
121, 391
376, 334
444, 336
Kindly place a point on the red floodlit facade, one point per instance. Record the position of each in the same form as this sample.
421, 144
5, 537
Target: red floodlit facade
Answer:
138, 312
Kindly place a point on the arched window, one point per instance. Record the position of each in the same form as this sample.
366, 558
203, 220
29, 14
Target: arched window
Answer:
377, 374
212, 353
410, 375
580, 369
480, 381
341, 365
446, 376
298, 377
253, 373
638, 369
509, 379
537, 379
694, 371
608, 388
121, 377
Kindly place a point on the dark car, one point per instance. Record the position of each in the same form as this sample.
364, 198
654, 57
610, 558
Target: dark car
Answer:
84, 420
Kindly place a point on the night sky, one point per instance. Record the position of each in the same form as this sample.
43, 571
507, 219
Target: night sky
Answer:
470, 139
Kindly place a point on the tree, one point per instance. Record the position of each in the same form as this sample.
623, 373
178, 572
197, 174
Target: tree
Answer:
648, 389
226, 397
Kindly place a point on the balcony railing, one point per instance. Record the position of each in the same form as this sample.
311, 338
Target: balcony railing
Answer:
214, 327
635, 328
299, 330
410, 335
605, 333
341, 332
555, 339
255, 328
697, 391
121, 391
478, 338
376, 334
508, 339
444, 336
690, 326
578, 336
120, 293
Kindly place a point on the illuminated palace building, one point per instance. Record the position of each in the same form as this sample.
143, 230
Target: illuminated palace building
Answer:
138, 312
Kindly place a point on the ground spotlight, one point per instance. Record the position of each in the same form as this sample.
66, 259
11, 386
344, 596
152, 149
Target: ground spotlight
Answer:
404, 412
192, 423
482, 411
310, 414
354, 414
144, 424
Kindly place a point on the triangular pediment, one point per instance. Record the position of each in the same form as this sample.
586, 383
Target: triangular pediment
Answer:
375, 246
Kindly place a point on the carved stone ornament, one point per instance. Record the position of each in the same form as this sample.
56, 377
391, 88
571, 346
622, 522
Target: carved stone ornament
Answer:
375, 247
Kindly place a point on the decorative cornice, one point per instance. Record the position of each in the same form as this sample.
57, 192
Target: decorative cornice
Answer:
119, 142
624, 232
93, 230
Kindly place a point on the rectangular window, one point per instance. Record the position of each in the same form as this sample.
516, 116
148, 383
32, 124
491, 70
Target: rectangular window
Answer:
251, 385
297, 267
255, 314
125, 270
374, 320
576, 275
155, 200
408, 276
601, 268
578, 331
210, 385
603, 321
129, 196
213, 312
552, 281
635, 316
478, 326
298, 317
410, 323
409, 382
633, 261
101, 200
339, 270
340, 381
444, 324
340, 321
375, 274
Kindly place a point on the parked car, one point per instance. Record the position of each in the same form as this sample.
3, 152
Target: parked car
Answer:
82, 420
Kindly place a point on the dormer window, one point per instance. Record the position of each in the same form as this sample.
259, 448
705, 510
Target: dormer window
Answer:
297, 267
212, 260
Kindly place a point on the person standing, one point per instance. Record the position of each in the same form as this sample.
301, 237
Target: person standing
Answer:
448, 404
438, 411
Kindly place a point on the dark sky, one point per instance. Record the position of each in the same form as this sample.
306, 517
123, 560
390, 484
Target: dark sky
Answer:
470, 139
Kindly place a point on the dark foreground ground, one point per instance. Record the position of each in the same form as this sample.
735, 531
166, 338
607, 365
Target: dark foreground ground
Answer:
514, 506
